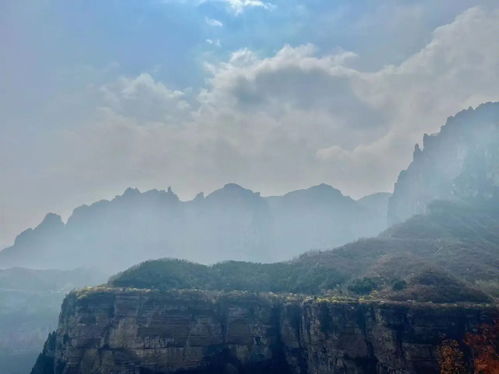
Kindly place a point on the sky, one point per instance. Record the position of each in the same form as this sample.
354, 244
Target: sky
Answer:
100, 95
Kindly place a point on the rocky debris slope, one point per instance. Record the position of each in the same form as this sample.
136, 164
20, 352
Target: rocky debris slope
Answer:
459, 162
120, 331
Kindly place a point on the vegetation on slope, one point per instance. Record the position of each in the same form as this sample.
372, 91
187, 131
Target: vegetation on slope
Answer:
232, 275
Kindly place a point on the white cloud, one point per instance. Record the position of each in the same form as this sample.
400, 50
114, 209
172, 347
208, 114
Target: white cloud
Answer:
142, 98
238, 6
215, 42
213, 22
235, 6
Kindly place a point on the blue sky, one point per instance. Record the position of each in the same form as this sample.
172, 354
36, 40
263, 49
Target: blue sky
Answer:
99, 95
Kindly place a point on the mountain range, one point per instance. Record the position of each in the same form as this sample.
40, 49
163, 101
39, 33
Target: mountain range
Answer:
230, 223
459, 163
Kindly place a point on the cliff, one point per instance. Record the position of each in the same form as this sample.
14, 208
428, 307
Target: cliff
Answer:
120, 331
458, 163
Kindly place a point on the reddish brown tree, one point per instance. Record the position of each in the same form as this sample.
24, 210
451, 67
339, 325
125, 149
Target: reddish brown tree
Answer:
484, 347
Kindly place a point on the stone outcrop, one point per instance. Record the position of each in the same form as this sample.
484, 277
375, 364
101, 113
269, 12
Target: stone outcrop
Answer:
458, 163
118, 331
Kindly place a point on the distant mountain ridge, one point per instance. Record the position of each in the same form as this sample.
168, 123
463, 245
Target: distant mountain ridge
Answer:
458, 163
230, 223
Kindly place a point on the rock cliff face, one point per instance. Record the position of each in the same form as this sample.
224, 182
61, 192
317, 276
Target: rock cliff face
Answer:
118, 331
460, 162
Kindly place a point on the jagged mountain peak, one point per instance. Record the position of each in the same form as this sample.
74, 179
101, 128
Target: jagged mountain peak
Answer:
231, 190
232, 187
51, 220
457, 163
320, 191
130, 191
199, 196
324, 188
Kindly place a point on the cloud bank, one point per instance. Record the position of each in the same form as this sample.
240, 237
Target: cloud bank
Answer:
295, 118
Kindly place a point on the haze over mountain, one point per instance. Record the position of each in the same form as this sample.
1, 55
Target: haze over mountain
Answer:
448, 200
459, 163
274, 95
230, 223
446, 254
418, 298
348, 154
396, 303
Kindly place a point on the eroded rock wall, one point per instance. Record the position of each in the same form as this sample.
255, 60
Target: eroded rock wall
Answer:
137, 332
